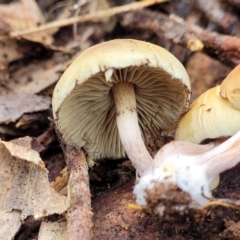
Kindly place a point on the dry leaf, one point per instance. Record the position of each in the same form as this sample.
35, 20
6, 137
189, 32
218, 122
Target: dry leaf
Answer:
27, 14
14, 105
24, 184
53, 231
10, 51
35, 78
10, 223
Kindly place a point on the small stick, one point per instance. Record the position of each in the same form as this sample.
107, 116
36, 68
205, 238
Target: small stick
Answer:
179, 32
79, 215
80, 19
216, 13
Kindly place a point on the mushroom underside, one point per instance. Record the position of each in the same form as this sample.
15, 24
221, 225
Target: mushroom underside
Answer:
87, 117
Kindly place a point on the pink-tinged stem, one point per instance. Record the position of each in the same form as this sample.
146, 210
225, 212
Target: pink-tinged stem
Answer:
223, 157
128, 127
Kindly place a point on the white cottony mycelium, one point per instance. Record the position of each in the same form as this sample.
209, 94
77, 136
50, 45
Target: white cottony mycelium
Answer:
185, 168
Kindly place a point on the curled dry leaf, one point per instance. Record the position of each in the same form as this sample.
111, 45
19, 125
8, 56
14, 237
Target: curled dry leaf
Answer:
25, 187
14, 105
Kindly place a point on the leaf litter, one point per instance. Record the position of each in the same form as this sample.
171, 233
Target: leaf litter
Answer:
25, 188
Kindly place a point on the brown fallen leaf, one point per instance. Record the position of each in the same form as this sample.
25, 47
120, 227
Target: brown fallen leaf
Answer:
25, 187
14, 105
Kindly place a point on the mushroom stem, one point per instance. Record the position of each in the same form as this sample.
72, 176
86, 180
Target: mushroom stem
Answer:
128, 127
189, 167
223, 157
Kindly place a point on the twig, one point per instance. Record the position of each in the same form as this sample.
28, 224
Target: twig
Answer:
88, 17
179, 32
216, 13
79, 215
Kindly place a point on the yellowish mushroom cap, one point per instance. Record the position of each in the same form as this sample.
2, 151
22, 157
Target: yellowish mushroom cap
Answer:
230, 87
83, 102
210, 116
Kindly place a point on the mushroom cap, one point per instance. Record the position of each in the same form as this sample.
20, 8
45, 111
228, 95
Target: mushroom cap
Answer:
209, 117
83, 103
230, 87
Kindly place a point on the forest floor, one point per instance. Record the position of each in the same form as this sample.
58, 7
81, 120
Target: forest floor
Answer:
202, 34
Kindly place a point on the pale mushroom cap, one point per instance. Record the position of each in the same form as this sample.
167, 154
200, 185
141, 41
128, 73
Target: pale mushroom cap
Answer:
210, 116
230, 87
83, 104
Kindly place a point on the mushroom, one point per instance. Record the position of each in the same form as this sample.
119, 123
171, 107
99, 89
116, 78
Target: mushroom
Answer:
181, 174
214, 115
230, 87
116, 96
209, 117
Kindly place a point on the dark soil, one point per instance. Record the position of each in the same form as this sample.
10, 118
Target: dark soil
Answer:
114, 220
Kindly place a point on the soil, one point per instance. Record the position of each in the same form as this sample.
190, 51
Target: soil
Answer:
113, 219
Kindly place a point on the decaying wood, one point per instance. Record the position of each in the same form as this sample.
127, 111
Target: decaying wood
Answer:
61, 180
79, 214
217, 14
179, 32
